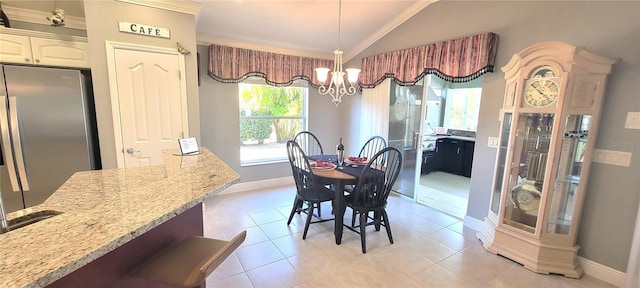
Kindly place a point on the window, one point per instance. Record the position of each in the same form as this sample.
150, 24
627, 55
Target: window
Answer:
269, 117
462, 108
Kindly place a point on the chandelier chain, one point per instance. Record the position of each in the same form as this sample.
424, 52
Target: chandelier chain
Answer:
339, 22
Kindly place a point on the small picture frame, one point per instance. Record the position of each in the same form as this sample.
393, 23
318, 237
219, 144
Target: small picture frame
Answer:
189, 146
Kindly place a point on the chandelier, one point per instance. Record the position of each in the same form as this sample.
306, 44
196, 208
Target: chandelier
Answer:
337, 87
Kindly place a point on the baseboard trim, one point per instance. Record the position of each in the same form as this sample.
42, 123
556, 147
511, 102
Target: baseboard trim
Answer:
604, 273
254, 185
591, 268
473, 223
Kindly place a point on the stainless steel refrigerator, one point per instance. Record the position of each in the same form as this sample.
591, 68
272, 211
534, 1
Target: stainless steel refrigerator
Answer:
48, 129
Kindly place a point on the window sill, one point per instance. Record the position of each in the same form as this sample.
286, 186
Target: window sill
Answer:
263, 162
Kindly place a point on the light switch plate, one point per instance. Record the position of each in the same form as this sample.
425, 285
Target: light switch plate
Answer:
633, 120
493, 142
612, 157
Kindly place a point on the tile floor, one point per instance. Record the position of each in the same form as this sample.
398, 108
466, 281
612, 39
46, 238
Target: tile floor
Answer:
445, 192
432, 249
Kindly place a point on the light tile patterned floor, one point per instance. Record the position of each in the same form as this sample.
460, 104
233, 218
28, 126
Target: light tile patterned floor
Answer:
445, 192
432, 249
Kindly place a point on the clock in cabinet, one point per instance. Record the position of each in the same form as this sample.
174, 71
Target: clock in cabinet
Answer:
549, 122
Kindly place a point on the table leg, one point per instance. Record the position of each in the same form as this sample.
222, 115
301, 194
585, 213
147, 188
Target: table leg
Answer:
339, 210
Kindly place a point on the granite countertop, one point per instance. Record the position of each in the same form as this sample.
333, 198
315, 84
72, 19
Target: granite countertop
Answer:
104, 209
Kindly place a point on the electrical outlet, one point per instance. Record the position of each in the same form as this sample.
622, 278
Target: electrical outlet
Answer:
493, 142
633, 120
612, 157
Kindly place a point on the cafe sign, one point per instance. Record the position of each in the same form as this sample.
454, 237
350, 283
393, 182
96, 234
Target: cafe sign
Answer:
142, 29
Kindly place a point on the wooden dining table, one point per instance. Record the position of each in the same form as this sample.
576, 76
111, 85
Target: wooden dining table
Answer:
338, 178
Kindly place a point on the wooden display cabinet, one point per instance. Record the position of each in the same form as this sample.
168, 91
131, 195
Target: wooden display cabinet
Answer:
549, 123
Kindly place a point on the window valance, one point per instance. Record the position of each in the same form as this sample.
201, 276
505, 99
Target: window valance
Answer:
457, 60
233, 65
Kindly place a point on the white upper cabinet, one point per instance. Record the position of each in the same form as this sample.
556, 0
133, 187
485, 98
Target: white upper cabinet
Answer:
43, 49
52, 52
15, 49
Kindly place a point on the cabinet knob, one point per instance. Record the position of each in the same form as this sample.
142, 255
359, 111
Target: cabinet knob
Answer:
37, 60
26, 59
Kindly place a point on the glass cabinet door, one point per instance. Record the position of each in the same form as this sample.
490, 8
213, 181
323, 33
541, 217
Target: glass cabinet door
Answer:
527, 171
502, 162
565, 190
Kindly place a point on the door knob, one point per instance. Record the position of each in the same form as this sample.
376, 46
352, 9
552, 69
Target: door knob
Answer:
131, 151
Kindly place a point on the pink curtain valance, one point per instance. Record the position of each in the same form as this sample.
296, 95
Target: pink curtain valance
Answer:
457, 60
233, 65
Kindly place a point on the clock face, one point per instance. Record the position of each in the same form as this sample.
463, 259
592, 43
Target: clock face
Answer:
541, 92
400, 107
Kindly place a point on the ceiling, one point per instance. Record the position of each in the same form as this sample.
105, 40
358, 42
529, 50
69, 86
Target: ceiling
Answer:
301, 27
296, 27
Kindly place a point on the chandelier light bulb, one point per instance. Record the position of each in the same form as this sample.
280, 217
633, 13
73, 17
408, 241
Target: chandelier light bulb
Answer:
322, 74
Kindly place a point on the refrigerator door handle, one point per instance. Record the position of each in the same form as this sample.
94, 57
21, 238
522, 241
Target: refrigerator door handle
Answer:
6, 144
17, 145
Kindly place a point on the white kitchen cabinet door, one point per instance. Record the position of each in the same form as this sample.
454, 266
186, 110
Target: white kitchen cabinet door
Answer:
15, 49
53, 52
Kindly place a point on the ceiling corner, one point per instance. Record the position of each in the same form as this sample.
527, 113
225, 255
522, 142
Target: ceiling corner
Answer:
394, 23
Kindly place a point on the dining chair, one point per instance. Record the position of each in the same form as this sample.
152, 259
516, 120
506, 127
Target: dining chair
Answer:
309, 143
373, 146
311, 147
371, 193
308, 190
369, 149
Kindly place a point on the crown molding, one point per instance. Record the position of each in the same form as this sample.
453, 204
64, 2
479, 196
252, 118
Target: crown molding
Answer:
40, 17
395, 22
186, 6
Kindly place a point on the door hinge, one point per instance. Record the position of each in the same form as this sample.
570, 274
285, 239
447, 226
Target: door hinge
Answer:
179, 74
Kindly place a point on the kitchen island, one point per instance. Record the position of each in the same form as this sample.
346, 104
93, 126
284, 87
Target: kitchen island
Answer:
112, 220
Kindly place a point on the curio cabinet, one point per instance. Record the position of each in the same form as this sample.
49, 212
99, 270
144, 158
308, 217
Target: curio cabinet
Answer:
549, 122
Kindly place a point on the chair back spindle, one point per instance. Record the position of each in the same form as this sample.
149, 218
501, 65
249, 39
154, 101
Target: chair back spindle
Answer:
309, 143
373, 146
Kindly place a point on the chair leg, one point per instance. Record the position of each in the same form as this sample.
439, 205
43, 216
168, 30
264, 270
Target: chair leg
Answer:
319, 210
296, 204
376, 220
363, 225
353, 218
385, 218
309, 215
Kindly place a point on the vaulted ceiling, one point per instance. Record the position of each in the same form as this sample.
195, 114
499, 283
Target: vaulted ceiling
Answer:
298, 27
302, 27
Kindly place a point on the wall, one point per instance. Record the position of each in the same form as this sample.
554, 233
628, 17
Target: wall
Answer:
609, 28
102, 25
219, 115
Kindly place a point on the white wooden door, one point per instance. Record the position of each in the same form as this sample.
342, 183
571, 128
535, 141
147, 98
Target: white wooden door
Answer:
150, 103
